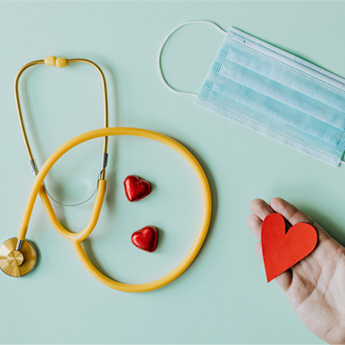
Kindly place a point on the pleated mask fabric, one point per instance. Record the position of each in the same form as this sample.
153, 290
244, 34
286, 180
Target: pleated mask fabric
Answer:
279, 95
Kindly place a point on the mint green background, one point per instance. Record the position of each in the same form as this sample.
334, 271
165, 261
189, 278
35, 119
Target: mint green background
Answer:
223, 297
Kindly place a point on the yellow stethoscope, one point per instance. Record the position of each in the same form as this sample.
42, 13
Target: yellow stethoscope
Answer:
18, 256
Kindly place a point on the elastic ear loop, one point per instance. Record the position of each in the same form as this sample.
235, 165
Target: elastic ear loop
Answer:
164, 79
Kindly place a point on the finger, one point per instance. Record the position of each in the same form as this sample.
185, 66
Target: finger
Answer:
284, 280
293, 215
260, 208
255, 224
258, 249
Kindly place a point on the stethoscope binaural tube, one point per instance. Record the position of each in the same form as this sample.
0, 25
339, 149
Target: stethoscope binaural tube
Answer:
78, 237
61, 62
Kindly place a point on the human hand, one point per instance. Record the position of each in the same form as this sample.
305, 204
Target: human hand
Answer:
315, 287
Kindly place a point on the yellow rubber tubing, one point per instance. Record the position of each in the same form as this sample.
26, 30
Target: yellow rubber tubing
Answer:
96, 210
77, 238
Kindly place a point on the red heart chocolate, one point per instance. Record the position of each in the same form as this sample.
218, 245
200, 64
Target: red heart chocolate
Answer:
282, 249
146, 238
136, 188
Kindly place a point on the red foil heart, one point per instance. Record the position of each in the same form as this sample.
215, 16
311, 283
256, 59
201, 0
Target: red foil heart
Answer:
281, 250
136, 188
146, 238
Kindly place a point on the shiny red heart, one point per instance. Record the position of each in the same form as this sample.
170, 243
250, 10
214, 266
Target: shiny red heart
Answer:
282, 249
146, 238
136, 188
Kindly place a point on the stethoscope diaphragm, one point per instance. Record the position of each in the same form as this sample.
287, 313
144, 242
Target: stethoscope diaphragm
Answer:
17, 261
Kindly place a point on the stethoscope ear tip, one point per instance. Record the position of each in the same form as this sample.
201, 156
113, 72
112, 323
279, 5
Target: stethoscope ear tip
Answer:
17, 257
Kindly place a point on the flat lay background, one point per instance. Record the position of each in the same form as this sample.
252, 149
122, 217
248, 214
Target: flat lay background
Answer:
223, 297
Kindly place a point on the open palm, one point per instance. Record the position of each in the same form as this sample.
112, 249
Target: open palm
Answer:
315, 286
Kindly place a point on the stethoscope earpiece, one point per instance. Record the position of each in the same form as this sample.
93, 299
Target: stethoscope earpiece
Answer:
54, 61
17, 257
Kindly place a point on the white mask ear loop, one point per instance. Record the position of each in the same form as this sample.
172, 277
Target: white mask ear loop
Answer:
172, 88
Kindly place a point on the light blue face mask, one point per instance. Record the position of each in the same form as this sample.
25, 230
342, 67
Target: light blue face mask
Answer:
276, 94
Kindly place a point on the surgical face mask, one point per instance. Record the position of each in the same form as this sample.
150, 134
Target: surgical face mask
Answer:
276, 94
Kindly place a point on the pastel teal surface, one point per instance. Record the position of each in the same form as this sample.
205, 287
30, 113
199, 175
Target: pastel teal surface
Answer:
223, 297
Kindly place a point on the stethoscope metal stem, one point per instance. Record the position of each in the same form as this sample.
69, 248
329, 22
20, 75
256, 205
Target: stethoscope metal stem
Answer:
19, 245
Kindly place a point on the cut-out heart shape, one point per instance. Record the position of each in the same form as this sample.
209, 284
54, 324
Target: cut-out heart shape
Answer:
136, 188
146, 238
282, 249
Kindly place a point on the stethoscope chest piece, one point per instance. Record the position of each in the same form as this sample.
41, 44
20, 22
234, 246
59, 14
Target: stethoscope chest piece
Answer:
17, 259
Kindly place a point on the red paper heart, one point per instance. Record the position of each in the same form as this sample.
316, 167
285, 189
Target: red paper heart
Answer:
281, 250
146, 238
136, 188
